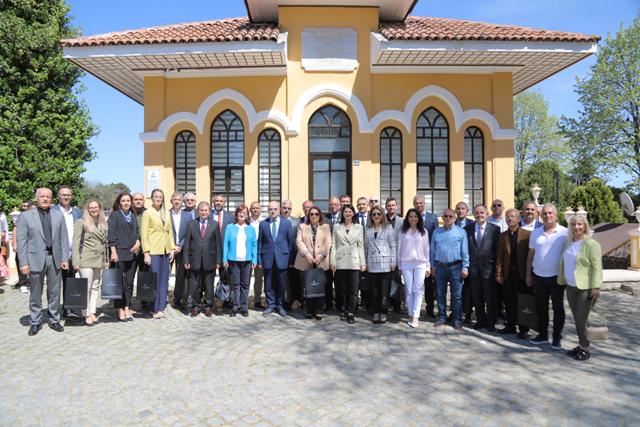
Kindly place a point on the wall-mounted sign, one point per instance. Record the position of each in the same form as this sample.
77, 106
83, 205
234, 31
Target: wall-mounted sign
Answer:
356, 163
153, 180
329, 49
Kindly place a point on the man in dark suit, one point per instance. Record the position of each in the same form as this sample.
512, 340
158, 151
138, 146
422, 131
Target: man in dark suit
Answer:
275, 243
294, 287
202, 256
462, 210
430, 222
70, 214
362, 218
43, 247
333, 216
179, 220
483, 244
222, 218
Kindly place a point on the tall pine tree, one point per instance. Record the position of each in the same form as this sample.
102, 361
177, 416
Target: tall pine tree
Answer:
44, 127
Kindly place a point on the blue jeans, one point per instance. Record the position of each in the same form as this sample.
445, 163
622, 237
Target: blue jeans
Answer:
160, 265
452, 275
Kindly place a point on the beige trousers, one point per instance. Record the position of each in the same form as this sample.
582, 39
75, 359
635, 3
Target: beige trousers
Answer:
93, 288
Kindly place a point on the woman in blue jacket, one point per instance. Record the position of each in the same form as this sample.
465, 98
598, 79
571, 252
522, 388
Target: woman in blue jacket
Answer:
240, 256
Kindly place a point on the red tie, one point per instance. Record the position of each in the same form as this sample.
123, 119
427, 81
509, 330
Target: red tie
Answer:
220, 221
203, 228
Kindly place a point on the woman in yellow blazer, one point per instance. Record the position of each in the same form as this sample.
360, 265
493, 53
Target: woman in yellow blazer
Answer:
347, 261
581, 272
158, 247
314, 245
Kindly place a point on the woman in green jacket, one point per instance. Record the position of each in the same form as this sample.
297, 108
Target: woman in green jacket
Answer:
89, 256
581, 271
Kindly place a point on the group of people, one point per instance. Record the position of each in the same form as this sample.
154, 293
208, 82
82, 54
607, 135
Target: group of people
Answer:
484, 263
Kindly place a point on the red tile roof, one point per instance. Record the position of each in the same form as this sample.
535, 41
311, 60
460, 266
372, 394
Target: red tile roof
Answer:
425, 28
240, 29
224, 30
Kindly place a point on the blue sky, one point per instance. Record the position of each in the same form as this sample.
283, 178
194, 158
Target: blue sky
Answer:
120, 152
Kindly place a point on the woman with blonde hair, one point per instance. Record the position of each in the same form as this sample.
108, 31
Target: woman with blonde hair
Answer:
89, 256
158, 247
581, 272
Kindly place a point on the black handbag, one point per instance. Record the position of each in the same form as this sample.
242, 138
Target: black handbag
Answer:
527, 315
314, 281
146, 286
75, 293
363, 283
112, 281
394, 285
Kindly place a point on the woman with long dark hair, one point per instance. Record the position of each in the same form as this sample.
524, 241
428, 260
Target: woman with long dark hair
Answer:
124, 245
413, 262
347, 260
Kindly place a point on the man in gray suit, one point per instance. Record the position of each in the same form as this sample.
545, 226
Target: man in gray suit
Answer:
43, 244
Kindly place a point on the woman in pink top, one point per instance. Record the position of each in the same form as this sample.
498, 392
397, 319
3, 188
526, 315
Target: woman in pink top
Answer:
413, 262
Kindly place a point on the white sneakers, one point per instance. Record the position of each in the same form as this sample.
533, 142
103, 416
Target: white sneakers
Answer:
24, 289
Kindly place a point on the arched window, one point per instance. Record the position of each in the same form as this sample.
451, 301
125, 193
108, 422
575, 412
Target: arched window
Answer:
269, 184
473, 166
329, 155
185, 158
227, 158
432, 154
391, 165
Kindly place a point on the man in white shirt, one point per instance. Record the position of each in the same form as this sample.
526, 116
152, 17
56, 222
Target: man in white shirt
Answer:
254, 220
70, 214
543, 264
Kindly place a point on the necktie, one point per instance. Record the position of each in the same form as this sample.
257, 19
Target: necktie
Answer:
273, 230
362, 220
203, 228
479, 235
220, 221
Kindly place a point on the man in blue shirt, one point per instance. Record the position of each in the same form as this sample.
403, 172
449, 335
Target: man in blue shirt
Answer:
449, 263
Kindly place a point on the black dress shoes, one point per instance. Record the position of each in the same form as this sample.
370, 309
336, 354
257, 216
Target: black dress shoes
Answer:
208, 312
244, 313
34, 329
233, 314
56, 326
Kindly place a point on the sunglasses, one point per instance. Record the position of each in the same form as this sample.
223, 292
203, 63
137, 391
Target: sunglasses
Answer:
286, 208
448, 216
314, 214
497, 205
376, 214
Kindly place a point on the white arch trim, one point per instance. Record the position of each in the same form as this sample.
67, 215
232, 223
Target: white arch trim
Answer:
198, 119
292, 128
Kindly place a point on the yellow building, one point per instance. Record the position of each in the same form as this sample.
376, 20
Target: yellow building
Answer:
353, 97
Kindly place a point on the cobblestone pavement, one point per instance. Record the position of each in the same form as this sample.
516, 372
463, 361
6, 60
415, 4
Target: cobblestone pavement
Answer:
293, 371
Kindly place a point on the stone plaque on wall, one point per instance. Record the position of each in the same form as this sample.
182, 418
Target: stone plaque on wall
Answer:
329, 49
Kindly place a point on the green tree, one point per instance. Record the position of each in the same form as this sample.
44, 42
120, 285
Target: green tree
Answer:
606, 135
555, 184
44, 128
538, 132
597, 199
103, 193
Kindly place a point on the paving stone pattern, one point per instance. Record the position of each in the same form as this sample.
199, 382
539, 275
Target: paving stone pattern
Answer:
293, 371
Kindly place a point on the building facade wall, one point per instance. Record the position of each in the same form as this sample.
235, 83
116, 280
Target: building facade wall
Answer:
371, 101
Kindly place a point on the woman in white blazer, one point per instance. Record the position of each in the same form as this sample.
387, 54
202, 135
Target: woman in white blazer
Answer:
347, 260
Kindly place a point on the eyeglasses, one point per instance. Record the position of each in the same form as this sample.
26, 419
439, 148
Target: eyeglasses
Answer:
496, 205
376, 214
286, 208
314, 214
273, 209
448, 216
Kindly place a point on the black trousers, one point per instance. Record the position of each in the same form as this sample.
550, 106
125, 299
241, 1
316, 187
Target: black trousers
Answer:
23, 279
430, 293
347, 282
378, 291
483, 293
510, 289
239, 279
128, 269
546, 287
180, 289
467, 300
199, 280
332, 299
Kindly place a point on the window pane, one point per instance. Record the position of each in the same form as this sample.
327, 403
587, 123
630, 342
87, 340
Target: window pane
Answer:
384, 151
329, 145
428, 201
441, 201
423, 177
338, 182
423, 151
440, 177
440, 150
477, 176
467, 150
468, 176
339, 164
321, 165
321, 185
396, 151
478, 197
